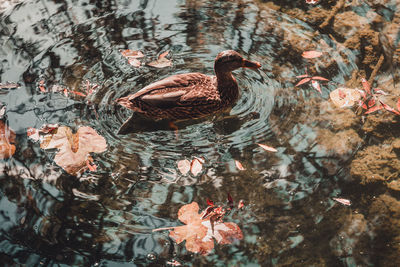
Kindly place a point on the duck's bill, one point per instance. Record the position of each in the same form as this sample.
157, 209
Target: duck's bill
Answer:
251, 64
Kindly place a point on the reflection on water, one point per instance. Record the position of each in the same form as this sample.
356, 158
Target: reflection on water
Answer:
49, 217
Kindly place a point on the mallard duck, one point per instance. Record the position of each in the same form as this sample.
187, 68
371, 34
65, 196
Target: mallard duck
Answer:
190, 95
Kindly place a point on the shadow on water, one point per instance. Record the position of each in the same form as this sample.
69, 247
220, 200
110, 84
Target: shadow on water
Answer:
106, 217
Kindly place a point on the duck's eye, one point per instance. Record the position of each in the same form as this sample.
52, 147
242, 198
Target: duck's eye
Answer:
229, 59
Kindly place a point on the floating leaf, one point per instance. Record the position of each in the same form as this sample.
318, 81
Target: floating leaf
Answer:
41, 86
316, 86
134, 62
199, 233
239, 165
343, 201
302, 76
74, 149
184, 166
77, 93
268, 148
303, 81
311, 54
373, 109
7, 139
196, 166
344, 97
173, 263
319, 78
161, 62
241, 204
131, 53
366, 86
9, 85
388, 108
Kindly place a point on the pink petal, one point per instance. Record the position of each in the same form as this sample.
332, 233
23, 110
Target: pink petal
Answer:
196, 166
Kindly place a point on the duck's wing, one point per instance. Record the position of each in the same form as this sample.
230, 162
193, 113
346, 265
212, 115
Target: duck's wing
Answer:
176, 90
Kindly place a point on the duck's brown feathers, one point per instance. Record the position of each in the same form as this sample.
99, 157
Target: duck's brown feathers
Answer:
182, 96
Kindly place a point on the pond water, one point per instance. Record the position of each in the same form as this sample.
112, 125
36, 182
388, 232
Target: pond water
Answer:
105, 218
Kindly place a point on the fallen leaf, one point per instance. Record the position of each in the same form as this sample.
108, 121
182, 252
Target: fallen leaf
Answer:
312, 2
9, 85
319, 78
302, 76
380, 92
33, 134
268, 148
366, 86
343, 201
41, 86
173, 263
230, 201
77, 93
239, 165
371, 102
210, 202
303, 81
184, 166
134, 62
311, 54
7, 139
344, 97
199, 233
373, 109
316, 86
389, 108
161, 62
131, 53
196, 166
241, 204
74, 149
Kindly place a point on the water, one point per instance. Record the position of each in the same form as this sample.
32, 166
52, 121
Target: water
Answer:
105, 218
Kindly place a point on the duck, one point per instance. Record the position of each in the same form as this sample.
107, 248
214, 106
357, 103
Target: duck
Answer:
190, 95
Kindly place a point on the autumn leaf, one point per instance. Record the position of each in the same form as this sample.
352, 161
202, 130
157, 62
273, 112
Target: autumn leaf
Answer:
268, 148
373, 109
184, 166
319, 78
131, 53
344, 97
7, 139
199, 233
312, 2
303, 81
161, 62
343, 201
41, 86
311, 54
196, 166
316, 86
74, 150
239, 165
389, 108
240, 204
132, 57
366, 86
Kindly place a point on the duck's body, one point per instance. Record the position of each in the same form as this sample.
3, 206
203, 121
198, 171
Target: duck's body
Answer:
190, 95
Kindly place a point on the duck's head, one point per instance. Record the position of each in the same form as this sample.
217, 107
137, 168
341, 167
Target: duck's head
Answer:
230, 60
